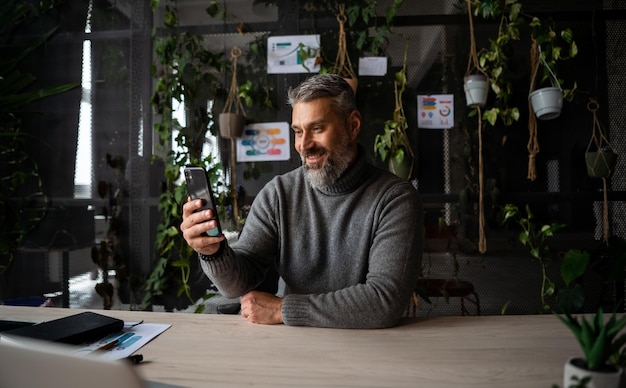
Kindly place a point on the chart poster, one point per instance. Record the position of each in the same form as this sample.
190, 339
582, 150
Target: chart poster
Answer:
435, 111
293, 54
261, 142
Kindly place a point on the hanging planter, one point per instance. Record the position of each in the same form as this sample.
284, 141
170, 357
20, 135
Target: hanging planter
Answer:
231, 125
600, 164
232, 121
600, 159
546, 102
233, 117
393, 145
476, 87
403, 169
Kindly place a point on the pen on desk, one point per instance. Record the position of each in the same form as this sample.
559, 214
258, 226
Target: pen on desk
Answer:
135, 358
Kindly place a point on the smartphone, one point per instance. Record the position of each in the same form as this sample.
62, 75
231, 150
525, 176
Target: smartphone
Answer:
199, 188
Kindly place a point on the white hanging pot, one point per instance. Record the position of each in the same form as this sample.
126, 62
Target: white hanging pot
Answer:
574, 371
547, 102
231, 125
476, 89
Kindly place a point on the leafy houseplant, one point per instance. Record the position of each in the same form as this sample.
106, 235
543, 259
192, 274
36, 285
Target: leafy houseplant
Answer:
361, 31
602, 343
574, 263
188, 73
393, 145
548, 47
495, 61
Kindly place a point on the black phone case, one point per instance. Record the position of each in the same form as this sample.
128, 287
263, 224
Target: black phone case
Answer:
199, 188
76, 329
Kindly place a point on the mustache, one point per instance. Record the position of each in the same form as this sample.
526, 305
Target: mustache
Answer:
314, 151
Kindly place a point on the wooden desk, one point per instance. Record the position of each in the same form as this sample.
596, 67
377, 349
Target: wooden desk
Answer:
202, 350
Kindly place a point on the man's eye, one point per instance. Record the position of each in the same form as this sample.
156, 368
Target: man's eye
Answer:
297, 132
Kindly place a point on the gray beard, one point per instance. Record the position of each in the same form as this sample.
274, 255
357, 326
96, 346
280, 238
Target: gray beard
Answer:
332, 169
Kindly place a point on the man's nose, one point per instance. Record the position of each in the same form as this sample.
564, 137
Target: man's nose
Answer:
306, 141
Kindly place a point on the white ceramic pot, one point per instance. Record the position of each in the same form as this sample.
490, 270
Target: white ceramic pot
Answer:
231, 125
547, 103
574, 371
476, 89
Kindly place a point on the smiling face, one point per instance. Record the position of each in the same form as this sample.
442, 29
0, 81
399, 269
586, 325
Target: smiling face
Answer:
326, 142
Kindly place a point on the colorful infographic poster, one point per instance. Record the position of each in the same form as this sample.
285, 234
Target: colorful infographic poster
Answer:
435, 111
264, 142
293, 54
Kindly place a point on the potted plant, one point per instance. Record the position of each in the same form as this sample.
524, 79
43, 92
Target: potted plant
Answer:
601, 342
393, 145
547, 48
600, 157
475, 81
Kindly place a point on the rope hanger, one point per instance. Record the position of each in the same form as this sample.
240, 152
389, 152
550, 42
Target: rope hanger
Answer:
343, 65
601, 143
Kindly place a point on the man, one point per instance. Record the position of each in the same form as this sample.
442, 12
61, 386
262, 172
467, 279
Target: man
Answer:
345, 237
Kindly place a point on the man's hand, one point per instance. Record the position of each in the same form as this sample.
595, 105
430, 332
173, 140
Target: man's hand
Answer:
194, 227
262, 307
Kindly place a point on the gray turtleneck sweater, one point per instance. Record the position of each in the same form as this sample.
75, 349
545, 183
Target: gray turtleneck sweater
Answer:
349, 253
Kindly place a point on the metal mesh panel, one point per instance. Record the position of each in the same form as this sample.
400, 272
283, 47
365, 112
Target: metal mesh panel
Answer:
616, 63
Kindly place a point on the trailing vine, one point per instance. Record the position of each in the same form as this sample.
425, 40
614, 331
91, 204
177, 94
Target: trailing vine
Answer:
185, 72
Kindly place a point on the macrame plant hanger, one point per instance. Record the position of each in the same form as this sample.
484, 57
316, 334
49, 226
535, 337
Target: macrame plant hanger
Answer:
533, 142
343, 65
472, 64
536, 58
599, 141
233, 103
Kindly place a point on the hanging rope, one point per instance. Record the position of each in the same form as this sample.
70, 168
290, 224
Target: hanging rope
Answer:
233, 102
533, 142
482, 240
472, 62
601, 166
343, 65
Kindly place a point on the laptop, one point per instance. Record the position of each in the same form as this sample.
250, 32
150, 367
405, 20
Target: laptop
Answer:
30, 363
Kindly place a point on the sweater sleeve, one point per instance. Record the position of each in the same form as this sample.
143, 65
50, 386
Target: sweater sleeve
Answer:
239, 269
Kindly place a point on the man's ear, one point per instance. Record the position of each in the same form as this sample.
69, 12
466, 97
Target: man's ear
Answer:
355, 123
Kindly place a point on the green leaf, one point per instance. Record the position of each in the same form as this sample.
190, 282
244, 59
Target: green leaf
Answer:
491, 116
574, 265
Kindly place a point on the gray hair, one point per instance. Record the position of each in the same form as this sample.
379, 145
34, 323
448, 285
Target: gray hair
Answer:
322, 86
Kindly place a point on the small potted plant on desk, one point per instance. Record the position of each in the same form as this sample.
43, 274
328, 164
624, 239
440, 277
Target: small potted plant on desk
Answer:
601, 343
